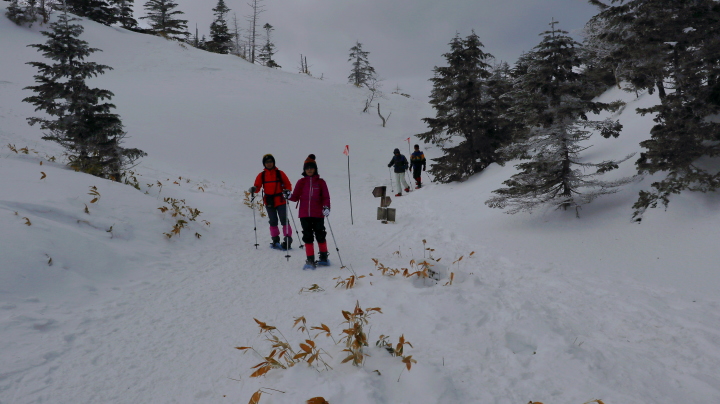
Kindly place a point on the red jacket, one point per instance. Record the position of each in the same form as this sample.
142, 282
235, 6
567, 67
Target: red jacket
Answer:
272, 182
312, 192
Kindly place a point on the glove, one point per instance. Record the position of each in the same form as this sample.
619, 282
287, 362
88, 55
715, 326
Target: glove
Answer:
286, 193
326, 211
423, 168
252, 190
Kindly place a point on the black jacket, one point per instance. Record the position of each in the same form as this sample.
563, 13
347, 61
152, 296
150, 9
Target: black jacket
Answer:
400, 162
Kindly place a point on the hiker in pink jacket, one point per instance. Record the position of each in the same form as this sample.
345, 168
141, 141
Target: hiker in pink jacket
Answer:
312, 193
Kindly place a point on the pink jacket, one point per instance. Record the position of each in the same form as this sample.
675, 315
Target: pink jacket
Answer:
312, 192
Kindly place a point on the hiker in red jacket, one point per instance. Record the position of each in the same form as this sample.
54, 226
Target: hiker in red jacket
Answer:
312, 192
276, 186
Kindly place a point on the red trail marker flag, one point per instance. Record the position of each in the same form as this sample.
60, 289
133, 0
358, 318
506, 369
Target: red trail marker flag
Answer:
346, 150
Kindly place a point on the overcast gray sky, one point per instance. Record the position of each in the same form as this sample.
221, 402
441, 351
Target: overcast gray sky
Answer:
405, 38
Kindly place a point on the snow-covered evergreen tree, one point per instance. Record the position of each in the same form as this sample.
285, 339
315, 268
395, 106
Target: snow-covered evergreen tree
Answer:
79, 120
220, 37
685, 142
467, 100
21, 13
361, 69
671, 46
29, 11
124, 12
97, 10
161, 14
552, 99
268, 50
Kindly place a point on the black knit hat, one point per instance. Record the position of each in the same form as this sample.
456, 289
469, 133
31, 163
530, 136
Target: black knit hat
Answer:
268, 157
396, 151
310, 163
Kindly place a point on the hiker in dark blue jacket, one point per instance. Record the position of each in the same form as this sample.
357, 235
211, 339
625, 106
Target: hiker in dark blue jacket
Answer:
417, 162
401, 165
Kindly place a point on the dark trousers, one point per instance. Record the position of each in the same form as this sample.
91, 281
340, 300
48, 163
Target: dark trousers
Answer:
313, 228
417, 173
279, 212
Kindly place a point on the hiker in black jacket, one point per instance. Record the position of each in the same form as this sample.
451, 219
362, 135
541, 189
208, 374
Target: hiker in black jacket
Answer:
401, 165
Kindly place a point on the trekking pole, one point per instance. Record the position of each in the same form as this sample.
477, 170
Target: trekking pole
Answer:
292, 217
391, 180
335, 241
428, 175
252, 203
287, 245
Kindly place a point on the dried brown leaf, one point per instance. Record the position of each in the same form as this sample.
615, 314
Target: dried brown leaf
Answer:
317, 400
261, 371
255, 399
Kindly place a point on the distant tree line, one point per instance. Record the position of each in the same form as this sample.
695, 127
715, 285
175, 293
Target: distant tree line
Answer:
539, 110
165, 19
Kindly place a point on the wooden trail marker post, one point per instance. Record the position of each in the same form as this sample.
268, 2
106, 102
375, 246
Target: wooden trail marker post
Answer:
384, 213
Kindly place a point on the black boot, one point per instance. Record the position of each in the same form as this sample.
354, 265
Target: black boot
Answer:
287, 243
310, 262
323, 259
276, 242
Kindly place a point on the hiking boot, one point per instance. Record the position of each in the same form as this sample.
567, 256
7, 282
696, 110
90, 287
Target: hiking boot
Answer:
310, 262
286, 244
276, 243
323, 259
407, 189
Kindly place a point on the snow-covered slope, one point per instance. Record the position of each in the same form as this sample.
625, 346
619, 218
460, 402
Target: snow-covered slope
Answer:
101, 307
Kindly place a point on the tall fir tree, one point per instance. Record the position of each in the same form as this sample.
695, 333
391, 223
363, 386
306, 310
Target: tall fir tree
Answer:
220, 37
552, 98
685, 142
361, 72
268, 50
80, 120
674, 47
467, 100
161, 14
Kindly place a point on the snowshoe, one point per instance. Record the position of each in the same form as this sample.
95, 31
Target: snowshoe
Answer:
323, 260
310, 264
276, 246
400, 194
287, 245
407, 189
